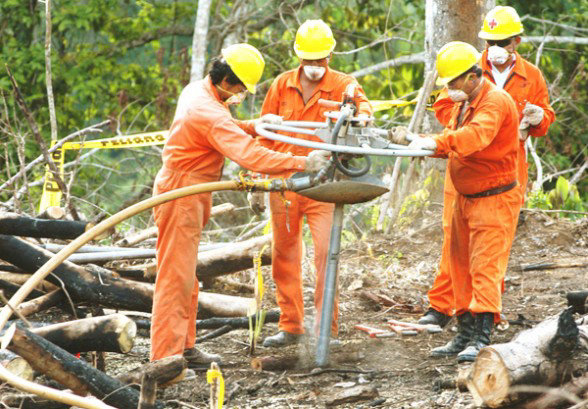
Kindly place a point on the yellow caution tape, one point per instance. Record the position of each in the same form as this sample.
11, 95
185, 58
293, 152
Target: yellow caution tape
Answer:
51, 192
256, 304
212, 375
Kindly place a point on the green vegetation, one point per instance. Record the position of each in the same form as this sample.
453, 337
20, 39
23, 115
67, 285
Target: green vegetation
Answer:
128, 60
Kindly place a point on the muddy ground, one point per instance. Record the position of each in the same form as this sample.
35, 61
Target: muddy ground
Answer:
398, 369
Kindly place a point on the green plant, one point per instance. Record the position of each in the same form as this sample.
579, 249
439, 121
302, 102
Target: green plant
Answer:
564, 196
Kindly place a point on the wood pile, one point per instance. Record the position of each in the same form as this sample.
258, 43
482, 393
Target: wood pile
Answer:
97, 278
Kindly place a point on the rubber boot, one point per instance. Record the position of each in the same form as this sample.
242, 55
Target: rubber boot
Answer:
434, 317
465, 331
483, 325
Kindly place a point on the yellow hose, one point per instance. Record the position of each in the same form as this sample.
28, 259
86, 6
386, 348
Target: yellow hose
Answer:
57, 259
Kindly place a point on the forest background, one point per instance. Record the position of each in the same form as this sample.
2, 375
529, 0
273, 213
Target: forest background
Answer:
127, 61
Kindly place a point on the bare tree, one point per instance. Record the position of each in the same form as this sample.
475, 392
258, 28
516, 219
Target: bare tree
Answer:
199, 40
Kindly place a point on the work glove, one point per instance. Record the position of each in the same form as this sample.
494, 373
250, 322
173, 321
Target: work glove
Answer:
533, 113
421, 142
364, 119
270, 119
524, 129
256, 201
317, 160
401, 135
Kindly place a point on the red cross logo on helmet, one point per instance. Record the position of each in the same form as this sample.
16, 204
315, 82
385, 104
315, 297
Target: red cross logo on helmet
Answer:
492, 23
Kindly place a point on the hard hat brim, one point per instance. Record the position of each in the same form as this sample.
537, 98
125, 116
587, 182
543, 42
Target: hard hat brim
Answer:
317, 55
487, 36
250, 87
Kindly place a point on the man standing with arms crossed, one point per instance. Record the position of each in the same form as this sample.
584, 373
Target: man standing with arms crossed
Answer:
294, 96
505, 68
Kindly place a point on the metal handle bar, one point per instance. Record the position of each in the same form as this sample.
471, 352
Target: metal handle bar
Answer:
266, 130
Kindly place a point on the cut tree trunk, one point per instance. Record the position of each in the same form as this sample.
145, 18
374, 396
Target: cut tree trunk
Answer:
71, 372
42, 303
238, 257
17, 225
538, 356
109, 333
19, 279
17, 365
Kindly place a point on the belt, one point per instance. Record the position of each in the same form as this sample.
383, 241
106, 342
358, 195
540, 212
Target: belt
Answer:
492, 192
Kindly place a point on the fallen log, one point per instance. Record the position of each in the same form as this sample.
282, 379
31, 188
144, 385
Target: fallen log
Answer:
52, 213
19, 279
109, 333
349, 395
214, 323
71, 372
161, 371
42, 303
238, 257
9, 288
28, 401
550, 266
538, 356
152, 231
81, 284
108, 290
17, 365
17, 225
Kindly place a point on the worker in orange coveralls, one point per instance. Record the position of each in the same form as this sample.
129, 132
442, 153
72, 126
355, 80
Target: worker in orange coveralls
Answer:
202, 134
505, 68
481, 141
294, 96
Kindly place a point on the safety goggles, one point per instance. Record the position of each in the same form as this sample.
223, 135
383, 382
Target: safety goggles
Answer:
500, 43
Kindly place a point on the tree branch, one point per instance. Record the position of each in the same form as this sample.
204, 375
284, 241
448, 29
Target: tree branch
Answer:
555, 39
418, 58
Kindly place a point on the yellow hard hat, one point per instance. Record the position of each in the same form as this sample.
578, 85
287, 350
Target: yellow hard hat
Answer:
314, 40
246, 62
454, 59
500, 23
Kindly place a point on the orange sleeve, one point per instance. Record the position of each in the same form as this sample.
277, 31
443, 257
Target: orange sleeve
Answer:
443, 107
541, 98
227, 138
247, 126
476, 135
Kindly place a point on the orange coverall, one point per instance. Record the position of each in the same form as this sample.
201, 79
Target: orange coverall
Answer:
202, 134
483, 155
284, 98
525, 84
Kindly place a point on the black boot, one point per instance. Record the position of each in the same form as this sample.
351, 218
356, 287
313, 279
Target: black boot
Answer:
434, 317
483, 326
465, 330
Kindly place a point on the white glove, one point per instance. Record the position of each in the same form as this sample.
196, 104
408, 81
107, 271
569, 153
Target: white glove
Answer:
316, 160
533, 113
401, 135
425, 143
271, 119
524, 128
256, 201
363, 119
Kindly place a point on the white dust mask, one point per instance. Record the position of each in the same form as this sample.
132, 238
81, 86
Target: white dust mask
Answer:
498, 55
236, 99
457, 95
314, 73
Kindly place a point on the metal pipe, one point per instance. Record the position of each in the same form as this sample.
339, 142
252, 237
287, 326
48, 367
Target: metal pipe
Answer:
262, 130
322, 351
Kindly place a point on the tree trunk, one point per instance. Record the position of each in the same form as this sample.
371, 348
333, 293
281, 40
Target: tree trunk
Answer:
225, 260
298, 360
17, 225
109, 333
44, 302
71, 372
199, 40
17, 365
538, 356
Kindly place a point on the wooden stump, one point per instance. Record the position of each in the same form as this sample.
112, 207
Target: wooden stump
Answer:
536, 356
